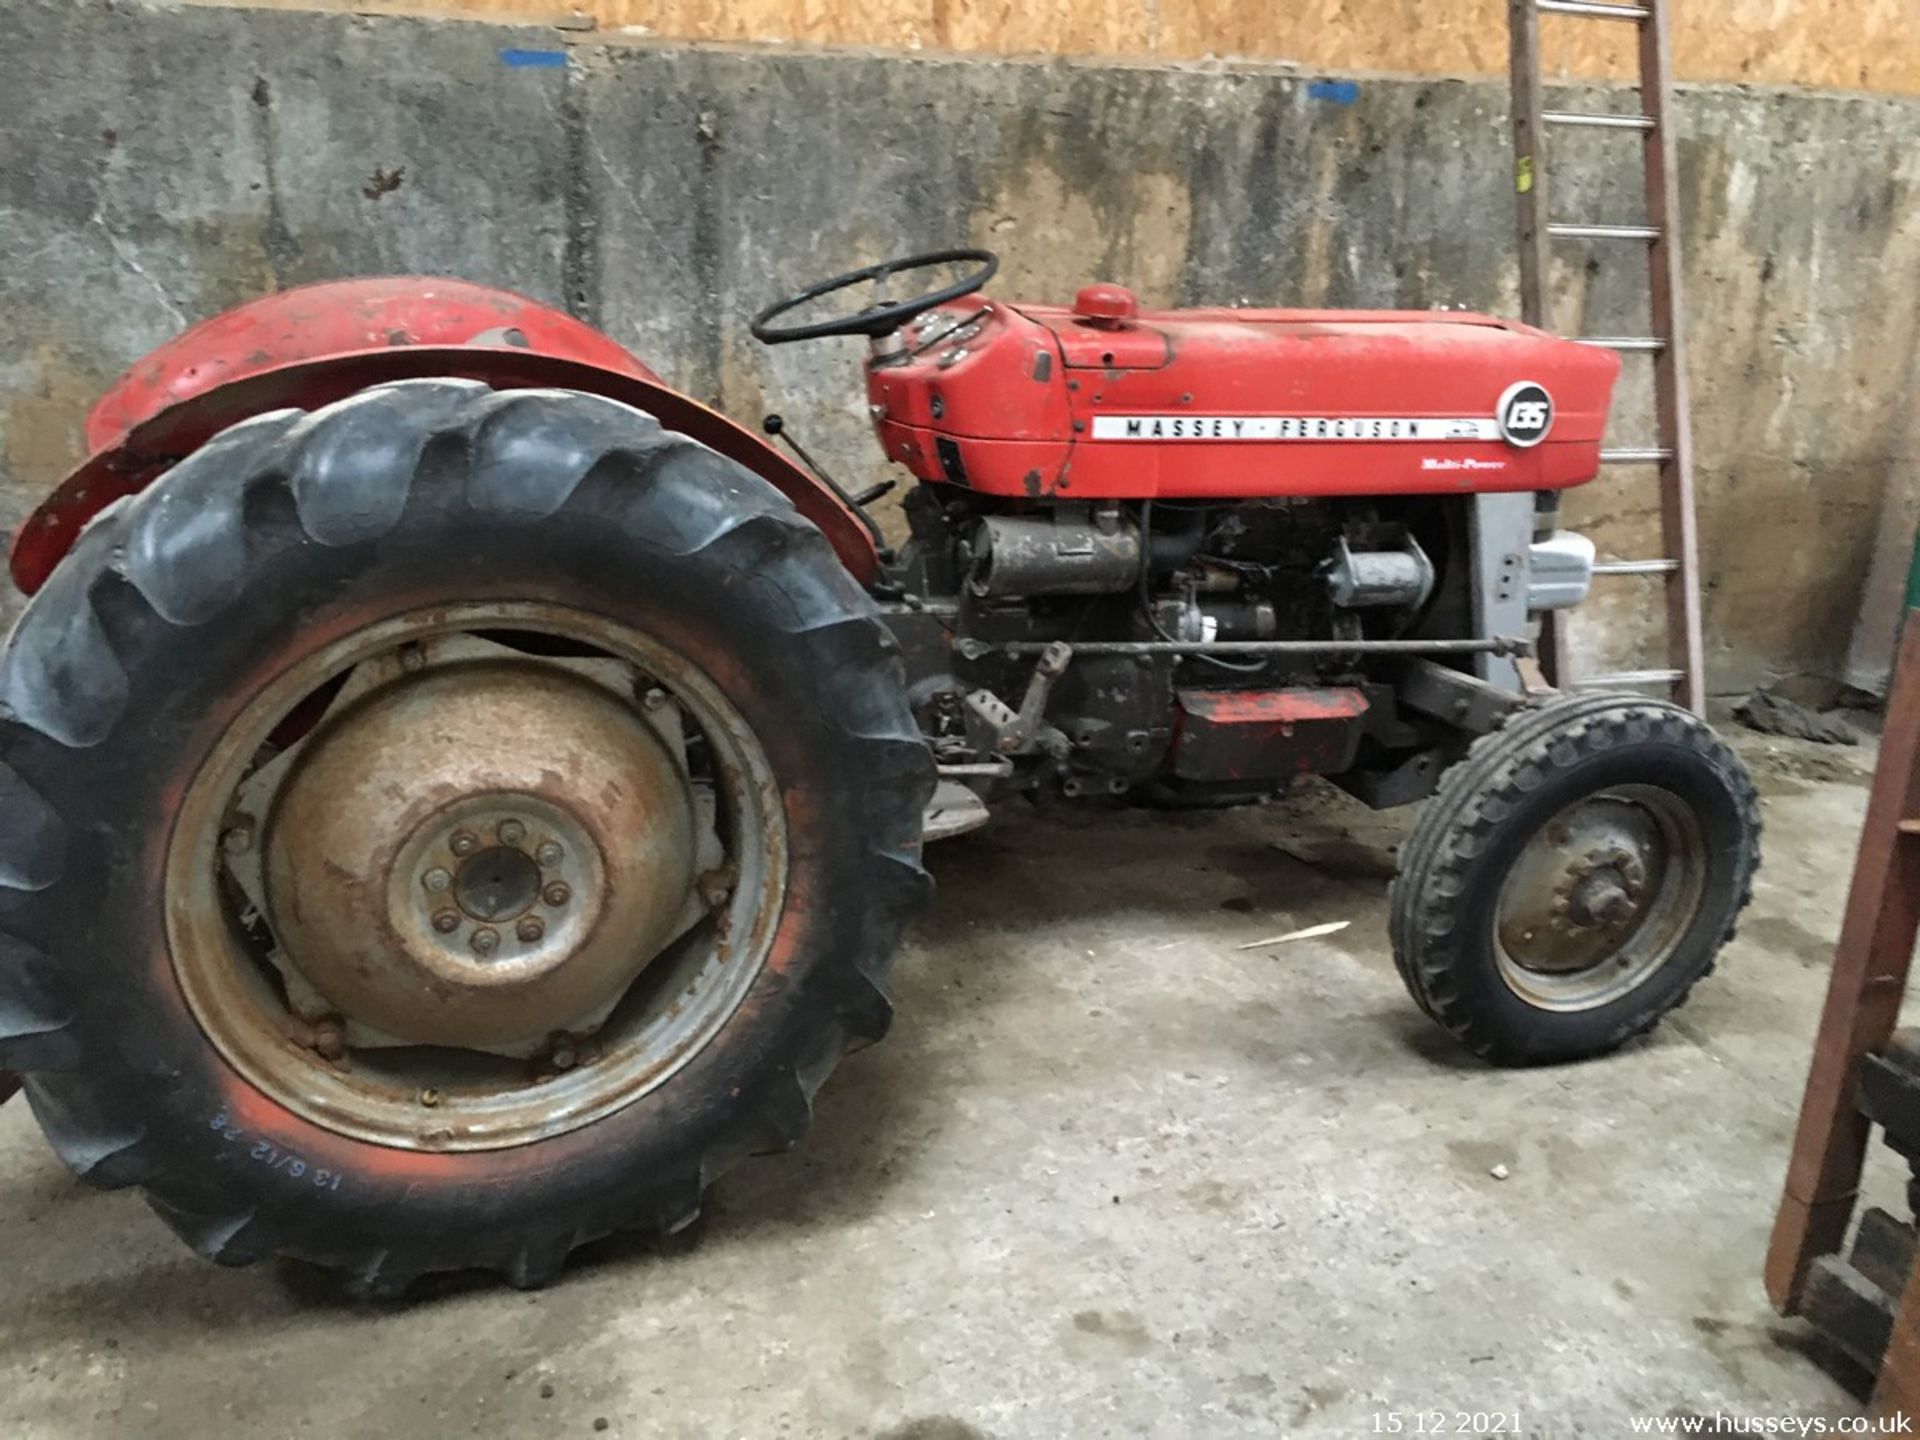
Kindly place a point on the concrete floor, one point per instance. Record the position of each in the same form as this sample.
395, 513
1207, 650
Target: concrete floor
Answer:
1111, 1175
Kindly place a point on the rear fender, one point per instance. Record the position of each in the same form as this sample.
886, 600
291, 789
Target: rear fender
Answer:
335, 318
142, 440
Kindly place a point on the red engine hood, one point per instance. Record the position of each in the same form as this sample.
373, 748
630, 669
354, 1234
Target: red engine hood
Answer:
1247, 359
1232, 403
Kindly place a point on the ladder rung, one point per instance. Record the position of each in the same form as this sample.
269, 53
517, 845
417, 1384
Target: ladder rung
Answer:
1647, 344
1636, 567
1635, 457
1592, 121
1605, 232
1629, 677
1594, 10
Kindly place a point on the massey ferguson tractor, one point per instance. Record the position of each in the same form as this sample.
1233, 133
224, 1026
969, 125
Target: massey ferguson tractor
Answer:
458, 795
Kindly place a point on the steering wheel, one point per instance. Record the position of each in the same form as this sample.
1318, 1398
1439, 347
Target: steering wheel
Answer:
883, 317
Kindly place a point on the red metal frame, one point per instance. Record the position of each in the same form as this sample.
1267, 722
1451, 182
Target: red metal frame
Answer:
311, 346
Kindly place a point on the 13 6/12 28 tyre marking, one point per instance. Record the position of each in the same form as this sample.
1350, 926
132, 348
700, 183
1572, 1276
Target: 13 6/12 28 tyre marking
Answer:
266, 1153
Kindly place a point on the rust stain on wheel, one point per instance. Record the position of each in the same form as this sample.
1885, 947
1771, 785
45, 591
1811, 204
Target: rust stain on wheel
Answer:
464, 907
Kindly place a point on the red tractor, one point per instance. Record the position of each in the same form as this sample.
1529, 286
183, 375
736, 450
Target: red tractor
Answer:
459, 795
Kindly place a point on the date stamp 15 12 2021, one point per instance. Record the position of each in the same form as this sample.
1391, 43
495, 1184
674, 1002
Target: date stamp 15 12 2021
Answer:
1446, 1422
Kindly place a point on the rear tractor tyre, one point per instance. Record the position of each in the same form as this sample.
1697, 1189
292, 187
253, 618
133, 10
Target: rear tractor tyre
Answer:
444, 828
1574, 877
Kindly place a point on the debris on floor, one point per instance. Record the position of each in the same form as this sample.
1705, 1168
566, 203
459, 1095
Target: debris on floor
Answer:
1773, 714
1312, 932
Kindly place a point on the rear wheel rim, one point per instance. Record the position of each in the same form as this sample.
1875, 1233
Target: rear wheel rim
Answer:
1601, 898
511, 948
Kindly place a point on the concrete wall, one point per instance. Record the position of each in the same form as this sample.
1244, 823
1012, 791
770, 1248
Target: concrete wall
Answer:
158, 164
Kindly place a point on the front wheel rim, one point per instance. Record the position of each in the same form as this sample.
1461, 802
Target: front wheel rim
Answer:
554, 978
1601, 898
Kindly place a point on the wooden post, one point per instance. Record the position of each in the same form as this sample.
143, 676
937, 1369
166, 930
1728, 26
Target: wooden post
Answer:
1870, 967
1529, 164
1897, 1390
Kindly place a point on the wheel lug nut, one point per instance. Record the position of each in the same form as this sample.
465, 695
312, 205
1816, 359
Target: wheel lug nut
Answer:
430, 1097
549, 854
511, 832
531, 929
485, 941
329, 1040
654, 698
412, 658
557, 894
446, 921
436, 880
464, 842
563, 1057
239, 839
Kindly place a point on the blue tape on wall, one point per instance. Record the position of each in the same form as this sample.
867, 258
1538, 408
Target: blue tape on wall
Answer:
534, 59
1337, 92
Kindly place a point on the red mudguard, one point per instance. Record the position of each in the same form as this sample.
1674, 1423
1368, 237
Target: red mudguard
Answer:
319, 343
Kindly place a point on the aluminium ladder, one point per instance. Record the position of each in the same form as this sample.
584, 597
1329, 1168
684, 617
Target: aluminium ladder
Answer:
1672, 454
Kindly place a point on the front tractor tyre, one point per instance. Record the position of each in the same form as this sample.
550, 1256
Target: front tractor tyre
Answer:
1574, 877
443, 828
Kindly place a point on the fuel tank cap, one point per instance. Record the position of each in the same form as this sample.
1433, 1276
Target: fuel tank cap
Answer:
1109, 305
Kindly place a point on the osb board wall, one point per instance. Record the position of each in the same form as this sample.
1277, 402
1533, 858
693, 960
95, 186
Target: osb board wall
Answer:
1869, 45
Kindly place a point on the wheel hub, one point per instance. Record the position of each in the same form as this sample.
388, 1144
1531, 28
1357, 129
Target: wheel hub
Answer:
1603, 888
1601, 900
349, 913
498, 883
480, 856
1598, 898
